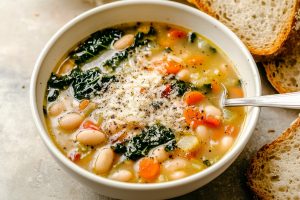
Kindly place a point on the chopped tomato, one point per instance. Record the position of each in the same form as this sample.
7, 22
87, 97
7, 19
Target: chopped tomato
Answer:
175, 33
193, 117
83, 104
212, 121
90, 125
74, 156
149, 168
166, 91
173, 67
193, 97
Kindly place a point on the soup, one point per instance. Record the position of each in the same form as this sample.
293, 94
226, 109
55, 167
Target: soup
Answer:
140, 103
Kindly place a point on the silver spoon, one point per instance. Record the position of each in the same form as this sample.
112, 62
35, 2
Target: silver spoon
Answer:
288, 100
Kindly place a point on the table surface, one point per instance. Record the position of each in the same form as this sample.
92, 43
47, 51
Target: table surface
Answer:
26, 169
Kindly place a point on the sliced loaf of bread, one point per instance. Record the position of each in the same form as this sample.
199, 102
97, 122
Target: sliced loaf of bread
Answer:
263, 25
274, 172
283, 72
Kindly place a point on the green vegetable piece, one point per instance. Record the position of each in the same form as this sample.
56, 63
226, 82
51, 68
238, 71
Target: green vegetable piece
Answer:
192, 37
90, 83
180, 86
116, 60
207, 163
205, 88
239, 83
168, 50
119, 148
59, 82
97, 42
170, 146
140, 145
152, 31
52, 94
85, 83
212, 49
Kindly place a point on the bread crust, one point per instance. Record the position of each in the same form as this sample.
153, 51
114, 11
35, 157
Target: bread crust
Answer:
262, 154
281, 65
262, 53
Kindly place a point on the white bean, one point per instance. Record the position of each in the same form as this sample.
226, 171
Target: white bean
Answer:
104, 160
177, 175
226, 143
70, 121
121, 175
90, 137
159, 154
213, 111
66, 67
124, 42
56, 108
202, 133
175, 164
184, 75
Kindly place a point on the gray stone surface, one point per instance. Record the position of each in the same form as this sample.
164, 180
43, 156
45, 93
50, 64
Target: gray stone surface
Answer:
26, 169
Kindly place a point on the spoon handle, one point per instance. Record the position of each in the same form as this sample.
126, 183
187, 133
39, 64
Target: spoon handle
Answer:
288, 100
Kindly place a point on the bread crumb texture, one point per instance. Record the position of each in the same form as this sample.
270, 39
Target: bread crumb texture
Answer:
274, 172
284, 71
263, 25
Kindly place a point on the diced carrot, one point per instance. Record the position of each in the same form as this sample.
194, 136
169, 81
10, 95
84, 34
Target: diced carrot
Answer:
149, 168
173, 67
90, 125
195, 60
235, 92
166, 91
193, 117
212, 121
177, 34
83, 104
193, 97
215, 87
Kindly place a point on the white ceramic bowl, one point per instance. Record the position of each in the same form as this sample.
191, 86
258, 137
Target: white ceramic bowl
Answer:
132, 11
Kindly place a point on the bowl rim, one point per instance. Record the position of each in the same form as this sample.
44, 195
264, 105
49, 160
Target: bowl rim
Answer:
231, 155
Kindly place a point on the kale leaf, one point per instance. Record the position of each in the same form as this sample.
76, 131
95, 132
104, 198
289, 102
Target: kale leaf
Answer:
170, 146
85, 83
205, 88
140, 145
181, 87
90, 83
52, 94
116, 59
97, 42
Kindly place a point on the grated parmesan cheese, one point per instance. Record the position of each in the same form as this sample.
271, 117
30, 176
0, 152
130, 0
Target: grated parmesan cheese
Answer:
129, 102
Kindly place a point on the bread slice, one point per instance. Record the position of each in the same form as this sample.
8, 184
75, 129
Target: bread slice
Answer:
263, 25
284, 71
274, 172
